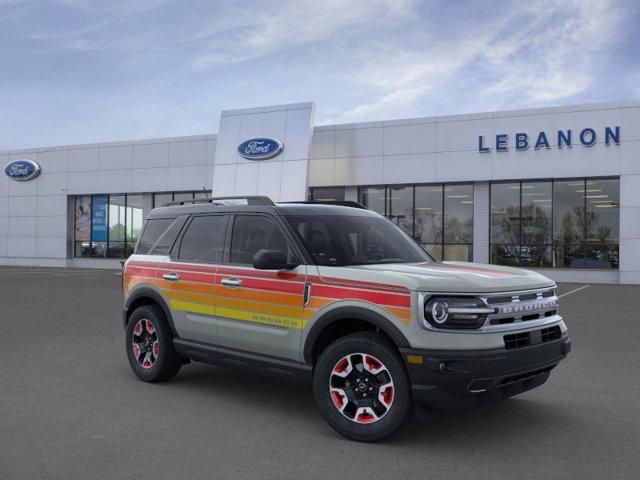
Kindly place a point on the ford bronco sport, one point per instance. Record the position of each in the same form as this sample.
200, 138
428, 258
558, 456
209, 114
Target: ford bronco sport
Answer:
338, 296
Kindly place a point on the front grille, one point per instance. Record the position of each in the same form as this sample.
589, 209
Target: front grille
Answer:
535, 337
521, 306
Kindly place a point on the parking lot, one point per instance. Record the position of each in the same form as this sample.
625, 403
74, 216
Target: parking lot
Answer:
71, 408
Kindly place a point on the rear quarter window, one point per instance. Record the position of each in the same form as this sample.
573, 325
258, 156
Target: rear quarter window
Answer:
153, 229
160, 234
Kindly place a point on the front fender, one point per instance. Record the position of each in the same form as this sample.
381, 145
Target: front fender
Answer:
364, 311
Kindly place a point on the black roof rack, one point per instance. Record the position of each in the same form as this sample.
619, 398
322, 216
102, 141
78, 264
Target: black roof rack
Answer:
342, 203
251, 200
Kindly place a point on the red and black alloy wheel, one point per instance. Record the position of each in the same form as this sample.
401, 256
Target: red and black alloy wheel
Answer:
361, 388
149, 343
145, 343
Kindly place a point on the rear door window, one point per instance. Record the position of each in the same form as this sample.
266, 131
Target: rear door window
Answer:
203, 240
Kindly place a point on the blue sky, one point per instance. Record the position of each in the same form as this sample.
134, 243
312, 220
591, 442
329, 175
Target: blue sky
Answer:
76, 71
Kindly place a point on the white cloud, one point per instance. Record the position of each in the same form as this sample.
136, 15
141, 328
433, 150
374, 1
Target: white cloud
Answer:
286, 25
551, 61
543, 52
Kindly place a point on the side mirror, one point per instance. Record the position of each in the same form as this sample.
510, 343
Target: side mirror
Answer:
271, 260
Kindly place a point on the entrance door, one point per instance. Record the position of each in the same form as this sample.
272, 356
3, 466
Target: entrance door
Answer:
259, 310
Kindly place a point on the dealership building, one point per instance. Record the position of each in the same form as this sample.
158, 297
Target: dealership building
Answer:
553, 189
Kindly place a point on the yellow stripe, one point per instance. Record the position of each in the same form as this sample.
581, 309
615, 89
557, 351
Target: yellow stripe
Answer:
261, 307
192, 307
259, 318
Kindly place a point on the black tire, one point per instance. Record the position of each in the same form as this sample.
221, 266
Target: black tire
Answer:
166, 363
324, 376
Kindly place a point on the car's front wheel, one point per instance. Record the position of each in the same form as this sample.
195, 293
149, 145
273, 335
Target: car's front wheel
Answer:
149, 344
362, 387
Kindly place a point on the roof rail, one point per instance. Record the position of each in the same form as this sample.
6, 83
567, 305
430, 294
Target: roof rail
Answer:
341, 203
251, 200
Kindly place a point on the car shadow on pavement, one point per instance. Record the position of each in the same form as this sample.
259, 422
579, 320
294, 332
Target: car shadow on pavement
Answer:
506, 420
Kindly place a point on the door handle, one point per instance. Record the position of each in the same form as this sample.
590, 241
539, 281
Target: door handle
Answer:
231, 282
172, 277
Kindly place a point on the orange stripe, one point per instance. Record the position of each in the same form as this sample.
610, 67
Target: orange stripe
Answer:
190, 297
192, 287
259, 296
403, 313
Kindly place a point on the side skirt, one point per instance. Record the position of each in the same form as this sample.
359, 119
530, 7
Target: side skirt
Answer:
239, 359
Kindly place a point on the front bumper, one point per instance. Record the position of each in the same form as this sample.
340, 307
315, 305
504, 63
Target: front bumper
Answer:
454, 379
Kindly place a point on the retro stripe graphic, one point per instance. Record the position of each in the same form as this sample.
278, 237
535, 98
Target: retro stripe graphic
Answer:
272, 298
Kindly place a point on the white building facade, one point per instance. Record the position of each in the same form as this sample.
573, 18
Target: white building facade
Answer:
553, 189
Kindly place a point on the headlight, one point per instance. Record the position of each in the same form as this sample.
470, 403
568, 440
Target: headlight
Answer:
456, 312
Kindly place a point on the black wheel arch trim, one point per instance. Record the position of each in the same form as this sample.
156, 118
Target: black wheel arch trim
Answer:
355, 313
153, 295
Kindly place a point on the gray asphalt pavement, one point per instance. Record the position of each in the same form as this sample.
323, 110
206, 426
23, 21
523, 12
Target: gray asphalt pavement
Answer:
70, 408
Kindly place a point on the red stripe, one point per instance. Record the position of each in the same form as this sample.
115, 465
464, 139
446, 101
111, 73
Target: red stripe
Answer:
241, 272
390, 299
140, 272
261, 284
188, 266
189, 276
358, 284
139, 263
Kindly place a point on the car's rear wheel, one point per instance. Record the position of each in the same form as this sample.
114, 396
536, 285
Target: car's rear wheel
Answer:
149, 344
362, 387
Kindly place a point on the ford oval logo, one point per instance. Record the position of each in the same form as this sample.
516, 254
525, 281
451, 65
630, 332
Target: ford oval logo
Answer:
22, 170
260, 148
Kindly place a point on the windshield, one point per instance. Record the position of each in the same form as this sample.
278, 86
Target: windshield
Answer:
339, 240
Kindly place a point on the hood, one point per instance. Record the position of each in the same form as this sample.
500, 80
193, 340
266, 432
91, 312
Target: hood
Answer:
454, 276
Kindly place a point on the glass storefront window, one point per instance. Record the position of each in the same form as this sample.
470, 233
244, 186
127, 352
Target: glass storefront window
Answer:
400, 209
428, 219
181, 196
327, 194
160, 199
373, 198
117, 217
564, 223
536, 200
134, 221
458, 222
107, 225
505, 223
568, 212
603, 223
439, 217
82, 226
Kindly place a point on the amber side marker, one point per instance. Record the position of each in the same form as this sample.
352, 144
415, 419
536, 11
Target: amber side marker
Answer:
417, 359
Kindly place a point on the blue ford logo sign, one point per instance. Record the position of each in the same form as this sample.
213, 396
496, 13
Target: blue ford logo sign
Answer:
260, 148
22, 170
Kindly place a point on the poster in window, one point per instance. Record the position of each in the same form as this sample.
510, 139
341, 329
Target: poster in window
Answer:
83, 218
99, 218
